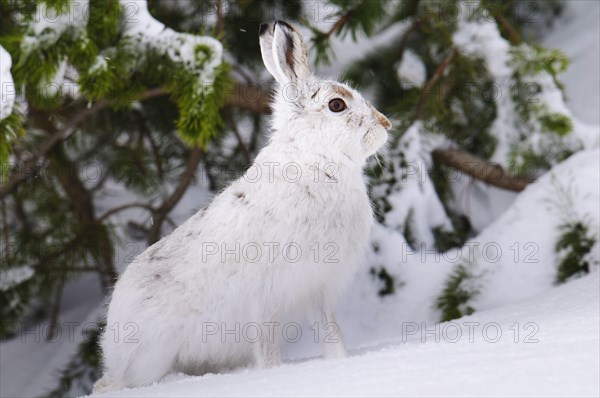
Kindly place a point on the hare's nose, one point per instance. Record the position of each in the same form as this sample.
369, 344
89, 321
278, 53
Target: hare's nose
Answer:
385, 122
380, 118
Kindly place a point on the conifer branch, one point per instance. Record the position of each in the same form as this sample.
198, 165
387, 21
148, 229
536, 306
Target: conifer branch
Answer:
160, 214
512, 33
244, 96
250, 97
479, 169
406, 35
80, 200
66, 248
5, 237
241, 142
53, 324
125, 207
431, 82
219, 26
339, 24
64, 133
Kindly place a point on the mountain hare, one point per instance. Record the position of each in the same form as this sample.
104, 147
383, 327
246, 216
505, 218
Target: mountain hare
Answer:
285, 238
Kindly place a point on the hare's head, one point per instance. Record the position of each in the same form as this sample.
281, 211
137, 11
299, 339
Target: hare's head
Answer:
322, 116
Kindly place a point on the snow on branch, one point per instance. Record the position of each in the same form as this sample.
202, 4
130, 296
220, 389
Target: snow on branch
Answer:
114, 50
7, 86
14, 276
528, 98
202, 54
141, 33
51, 23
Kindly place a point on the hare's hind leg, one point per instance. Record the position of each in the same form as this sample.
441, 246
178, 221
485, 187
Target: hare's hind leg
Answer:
332, 336
140, 361
149, 364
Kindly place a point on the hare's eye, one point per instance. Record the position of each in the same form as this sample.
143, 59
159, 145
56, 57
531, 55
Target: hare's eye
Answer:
337, 105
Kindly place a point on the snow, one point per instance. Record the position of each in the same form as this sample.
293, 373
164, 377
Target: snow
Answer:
56, 83
516, 254
56, 21
411, 70
514, 257
99, 64
7, 86
49, 24
576, 34
545, 346
14, 276
480, 202
480, 37
417, 203
148, 33
139, 27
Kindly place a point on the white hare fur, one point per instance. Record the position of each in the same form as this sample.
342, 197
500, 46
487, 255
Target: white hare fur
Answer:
304, 189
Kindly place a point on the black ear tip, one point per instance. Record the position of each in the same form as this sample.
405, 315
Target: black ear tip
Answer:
263, 29
283, 23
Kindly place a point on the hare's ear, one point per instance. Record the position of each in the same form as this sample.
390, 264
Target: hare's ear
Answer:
284, 52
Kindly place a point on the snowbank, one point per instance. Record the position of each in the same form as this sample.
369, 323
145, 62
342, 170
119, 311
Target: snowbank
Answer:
511, 260
515, 257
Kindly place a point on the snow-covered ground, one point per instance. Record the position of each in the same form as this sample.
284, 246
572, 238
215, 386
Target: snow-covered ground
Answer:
550, 342
544, 346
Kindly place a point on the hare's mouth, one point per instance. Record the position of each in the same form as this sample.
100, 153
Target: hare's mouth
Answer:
368, 133
374, 139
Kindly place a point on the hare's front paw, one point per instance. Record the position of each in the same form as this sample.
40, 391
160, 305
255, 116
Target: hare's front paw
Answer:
335, 350
333, 342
